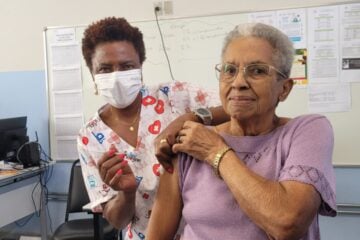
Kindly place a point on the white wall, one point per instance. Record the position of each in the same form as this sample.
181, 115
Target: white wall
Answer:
22, 21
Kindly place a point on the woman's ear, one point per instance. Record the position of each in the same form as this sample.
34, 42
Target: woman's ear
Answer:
96, 92
286, 89
142, 76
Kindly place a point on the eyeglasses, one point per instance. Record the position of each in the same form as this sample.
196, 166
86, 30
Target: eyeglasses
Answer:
227, 72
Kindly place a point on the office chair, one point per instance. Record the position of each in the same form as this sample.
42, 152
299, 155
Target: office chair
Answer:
82, 229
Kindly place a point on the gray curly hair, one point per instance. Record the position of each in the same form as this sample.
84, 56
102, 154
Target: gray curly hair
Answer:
283, 47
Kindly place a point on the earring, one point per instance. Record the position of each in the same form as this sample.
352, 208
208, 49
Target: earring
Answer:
96, 92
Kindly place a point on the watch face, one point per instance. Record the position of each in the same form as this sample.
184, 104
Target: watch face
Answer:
203, 111
204, 114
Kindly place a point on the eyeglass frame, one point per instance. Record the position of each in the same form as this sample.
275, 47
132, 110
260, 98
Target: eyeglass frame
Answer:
218, 69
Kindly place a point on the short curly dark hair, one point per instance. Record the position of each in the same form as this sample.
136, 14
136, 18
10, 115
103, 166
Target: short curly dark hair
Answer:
111, 29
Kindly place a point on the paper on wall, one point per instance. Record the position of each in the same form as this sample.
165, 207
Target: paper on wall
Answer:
68, 125
267, 17
64, 35
65, 55
325, 98
293, 23
350, 42
68, 78
66, 148
323, 37
68, 102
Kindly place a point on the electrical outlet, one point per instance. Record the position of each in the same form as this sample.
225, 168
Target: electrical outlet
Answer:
168, 7
159, 6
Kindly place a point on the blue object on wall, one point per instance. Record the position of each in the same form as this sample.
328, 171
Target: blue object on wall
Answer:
24, 94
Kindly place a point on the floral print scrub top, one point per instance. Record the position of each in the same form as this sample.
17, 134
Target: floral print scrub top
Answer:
160, 105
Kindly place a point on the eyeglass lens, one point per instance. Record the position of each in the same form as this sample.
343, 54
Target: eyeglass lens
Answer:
253, 71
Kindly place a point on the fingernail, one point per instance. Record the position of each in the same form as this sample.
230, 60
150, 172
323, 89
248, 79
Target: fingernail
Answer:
170, 169
111, 152
124, 163
121, 156
119, 172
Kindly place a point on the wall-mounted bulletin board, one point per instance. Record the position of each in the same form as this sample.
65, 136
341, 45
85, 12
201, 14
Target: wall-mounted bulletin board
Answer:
326, 68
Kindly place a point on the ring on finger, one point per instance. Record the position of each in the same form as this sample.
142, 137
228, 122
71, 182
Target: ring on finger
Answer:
163, 140
178, 139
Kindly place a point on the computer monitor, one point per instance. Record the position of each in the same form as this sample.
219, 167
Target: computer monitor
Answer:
12, 137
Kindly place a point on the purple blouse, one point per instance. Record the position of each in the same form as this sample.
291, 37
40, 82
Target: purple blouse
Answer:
300, 150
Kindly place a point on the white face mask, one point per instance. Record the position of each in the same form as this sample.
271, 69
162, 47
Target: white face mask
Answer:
119, 89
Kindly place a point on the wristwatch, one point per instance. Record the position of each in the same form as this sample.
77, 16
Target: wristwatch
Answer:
204, 114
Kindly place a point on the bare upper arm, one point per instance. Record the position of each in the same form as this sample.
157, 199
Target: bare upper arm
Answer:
166, 212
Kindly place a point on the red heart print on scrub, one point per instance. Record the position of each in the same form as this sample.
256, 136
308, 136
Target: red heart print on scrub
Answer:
130, 235
156, 167
148, 100
159, 108
85, 140
155, 127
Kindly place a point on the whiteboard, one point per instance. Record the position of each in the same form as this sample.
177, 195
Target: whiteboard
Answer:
194, 46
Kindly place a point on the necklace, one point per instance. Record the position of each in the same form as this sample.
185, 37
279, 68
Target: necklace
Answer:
131, 125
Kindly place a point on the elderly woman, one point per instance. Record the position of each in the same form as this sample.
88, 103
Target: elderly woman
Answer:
258, 176
116, 146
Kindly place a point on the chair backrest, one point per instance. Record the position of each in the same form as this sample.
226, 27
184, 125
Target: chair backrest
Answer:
77, 196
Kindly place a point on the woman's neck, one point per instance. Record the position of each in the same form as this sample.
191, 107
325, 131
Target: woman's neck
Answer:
253, 126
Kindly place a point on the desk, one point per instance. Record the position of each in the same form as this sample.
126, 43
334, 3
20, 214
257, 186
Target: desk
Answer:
16, 193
